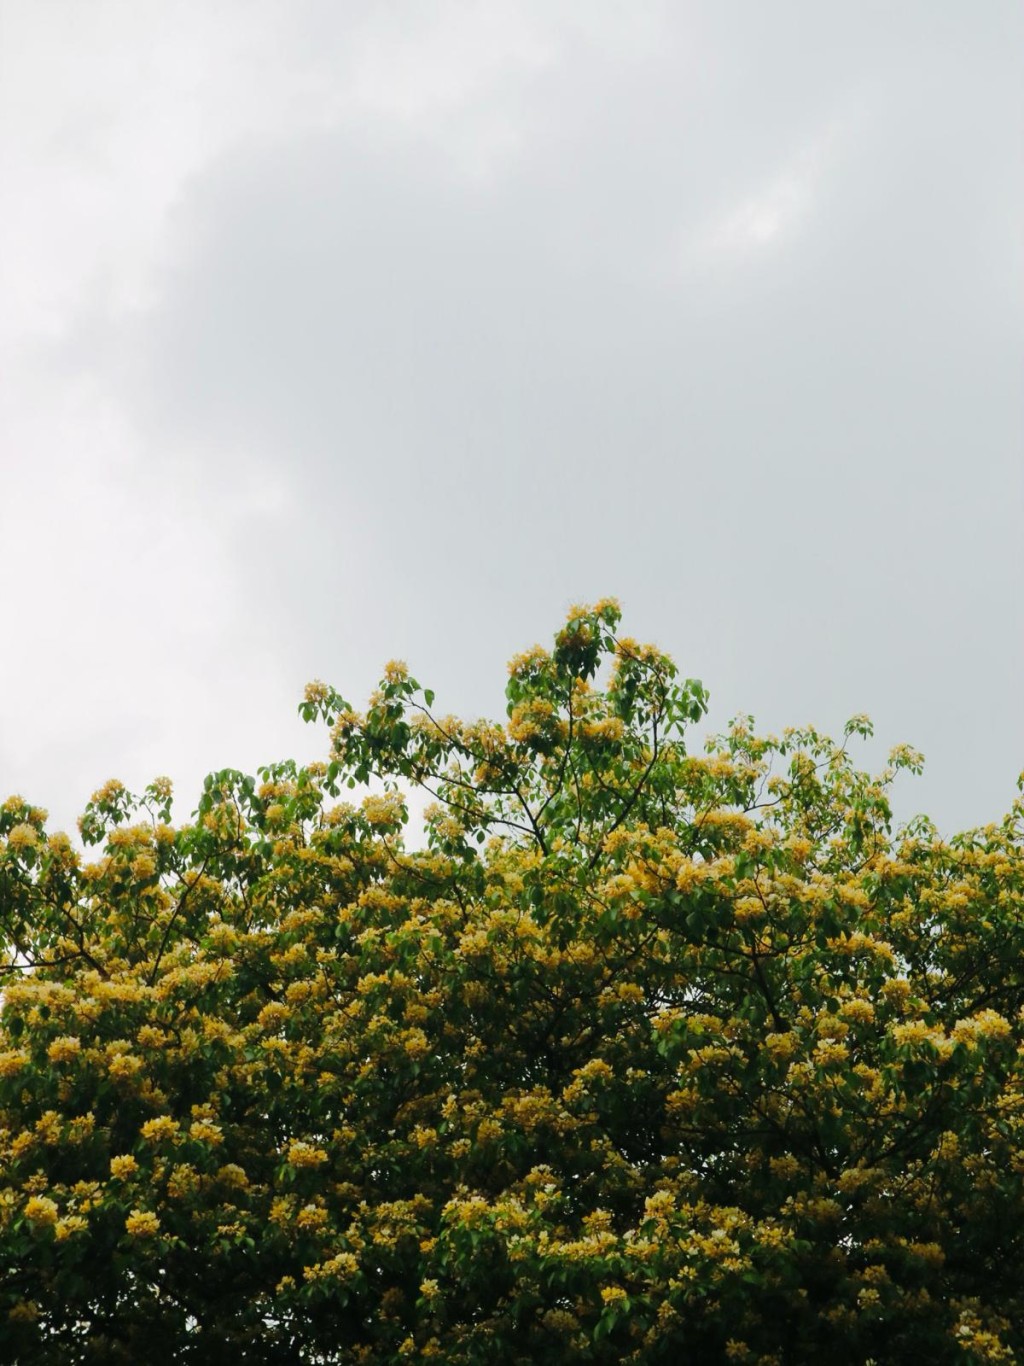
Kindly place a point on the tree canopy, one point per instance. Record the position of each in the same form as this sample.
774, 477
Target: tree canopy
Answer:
644, 1056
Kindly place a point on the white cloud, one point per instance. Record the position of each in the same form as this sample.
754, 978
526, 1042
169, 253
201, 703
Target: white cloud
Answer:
778, 209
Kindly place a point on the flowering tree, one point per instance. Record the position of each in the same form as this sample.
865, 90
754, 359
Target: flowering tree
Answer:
644, 1057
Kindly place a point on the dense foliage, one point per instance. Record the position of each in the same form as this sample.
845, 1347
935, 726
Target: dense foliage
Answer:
645, 1056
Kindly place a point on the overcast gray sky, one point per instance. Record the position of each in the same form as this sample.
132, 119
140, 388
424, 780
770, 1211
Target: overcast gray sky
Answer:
333, 332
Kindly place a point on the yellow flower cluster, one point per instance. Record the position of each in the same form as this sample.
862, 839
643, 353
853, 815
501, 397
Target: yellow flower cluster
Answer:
341, 1267
142, 1224
12, 1061
23, 836
303, 1154
384, 809
155, 1130
40, 1209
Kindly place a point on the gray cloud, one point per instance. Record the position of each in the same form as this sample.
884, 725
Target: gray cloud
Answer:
715, 312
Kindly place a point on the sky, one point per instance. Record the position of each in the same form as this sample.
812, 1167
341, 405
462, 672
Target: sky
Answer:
338, 332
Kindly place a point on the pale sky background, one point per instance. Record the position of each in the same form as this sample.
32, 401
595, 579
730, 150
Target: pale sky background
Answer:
332, 332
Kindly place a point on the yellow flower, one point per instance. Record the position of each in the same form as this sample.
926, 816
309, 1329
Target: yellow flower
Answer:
386, 809
142, 1224
528, 660
128, 837
124, 1066
784, 1167
782, 1046
23, 837
560, 1321
415, 1043
12, 1062
109, 792
987, 1024
916, 1031
749, 908
64, 1049
48, 1127
613, 1294
81, 1127
234, 1176
341, 1267
273, 1015
124, 1166
828, 1051
162, 1127
183, 1181
896, 991
204, 1132
40, 1209
144, 866
861, 1012
67, 1228
311, 1217
301, 1154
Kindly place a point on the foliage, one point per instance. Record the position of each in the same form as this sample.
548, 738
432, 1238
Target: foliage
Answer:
644, 1057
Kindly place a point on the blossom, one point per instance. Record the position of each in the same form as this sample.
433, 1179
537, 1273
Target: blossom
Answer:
111, 790
144, 867
142, 1224
986, 1024
613, 1294
24, 1311
23, 837
234, 1176
40, 1209
385, 808
162, 1127
860, 1012
828, 1052
782, 1046
123, 1066
302, 1154
69, 1226
415, 1043
202, 1131
343, 1266
311, 1218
